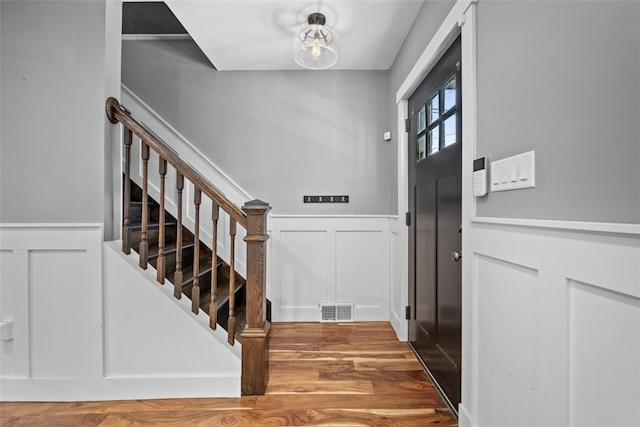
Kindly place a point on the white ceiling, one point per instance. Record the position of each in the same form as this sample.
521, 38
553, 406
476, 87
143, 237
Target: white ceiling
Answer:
258, 34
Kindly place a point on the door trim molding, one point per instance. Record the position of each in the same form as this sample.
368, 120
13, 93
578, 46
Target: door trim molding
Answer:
441, 40
460, 20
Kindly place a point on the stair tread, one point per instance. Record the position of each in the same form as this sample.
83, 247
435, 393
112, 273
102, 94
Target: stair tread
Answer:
169, 248
188, 245
153, 225
187, 273
222, 296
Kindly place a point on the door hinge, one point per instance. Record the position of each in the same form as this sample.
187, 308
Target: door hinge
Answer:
407, 125
407, 312
407, 219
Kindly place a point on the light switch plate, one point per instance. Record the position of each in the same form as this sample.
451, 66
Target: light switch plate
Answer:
513, 173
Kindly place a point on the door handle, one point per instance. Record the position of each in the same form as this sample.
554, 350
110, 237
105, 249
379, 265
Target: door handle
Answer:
456, 256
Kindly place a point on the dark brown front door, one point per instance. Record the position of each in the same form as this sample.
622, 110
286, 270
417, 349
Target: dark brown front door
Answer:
435, 192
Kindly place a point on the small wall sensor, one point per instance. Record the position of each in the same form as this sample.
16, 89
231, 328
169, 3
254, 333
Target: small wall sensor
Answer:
480, 180
387, 136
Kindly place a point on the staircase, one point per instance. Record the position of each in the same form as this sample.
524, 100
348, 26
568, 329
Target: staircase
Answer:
179, 255
206, 270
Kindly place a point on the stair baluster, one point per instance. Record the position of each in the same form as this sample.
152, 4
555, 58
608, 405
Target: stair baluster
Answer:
144, 244
213, 306
177, 276
231, 325
126, 224
252, 217
160, 266
195, 290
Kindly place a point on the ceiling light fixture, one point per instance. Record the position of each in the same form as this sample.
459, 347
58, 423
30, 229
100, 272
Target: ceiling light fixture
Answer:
314, 47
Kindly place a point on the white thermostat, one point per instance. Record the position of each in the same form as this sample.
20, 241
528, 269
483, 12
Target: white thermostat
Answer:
480, 180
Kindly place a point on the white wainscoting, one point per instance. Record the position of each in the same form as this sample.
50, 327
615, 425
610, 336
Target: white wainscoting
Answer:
556, 325
329, 259
399, 288
51, 293
80, 321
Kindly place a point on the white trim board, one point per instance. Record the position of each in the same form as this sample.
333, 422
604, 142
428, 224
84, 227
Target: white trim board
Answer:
600, 227
441, 40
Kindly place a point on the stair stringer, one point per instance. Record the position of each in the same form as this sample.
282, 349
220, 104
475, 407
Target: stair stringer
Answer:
154, 346
190, 154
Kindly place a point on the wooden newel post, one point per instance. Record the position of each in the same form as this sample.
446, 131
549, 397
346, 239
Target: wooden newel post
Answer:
255, 337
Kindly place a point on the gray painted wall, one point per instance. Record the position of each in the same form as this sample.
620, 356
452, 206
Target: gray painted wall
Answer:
279, 134
427, 22
336, 150
562, 78
424, 27
52, 64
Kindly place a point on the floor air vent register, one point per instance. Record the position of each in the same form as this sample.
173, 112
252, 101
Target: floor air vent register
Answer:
337, 312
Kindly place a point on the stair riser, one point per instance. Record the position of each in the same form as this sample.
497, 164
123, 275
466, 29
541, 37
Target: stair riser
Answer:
153, 235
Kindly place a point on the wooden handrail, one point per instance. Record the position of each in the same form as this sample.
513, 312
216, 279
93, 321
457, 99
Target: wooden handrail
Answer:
252, 217
116, 113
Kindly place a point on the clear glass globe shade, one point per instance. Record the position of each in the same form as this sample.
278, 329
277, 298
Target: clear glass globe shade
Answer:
315, 47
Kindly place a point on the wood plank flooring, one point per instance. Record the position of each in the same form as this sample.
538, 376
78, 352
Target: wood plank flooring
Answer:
321, 374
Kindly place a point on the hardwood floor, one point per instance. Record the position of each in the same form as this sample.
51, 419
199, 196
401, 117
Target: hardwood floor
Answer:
329, 374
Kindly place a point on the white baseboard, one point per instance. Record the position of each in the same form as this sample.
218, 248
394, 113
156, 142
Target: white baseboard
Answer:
463, 417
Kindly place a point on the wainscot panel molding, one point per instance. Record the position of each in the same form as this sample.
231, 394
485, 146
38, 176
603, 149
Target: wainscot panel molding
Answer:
556, 323
80, 321
51, 294
399, 288
144, 320
329, 259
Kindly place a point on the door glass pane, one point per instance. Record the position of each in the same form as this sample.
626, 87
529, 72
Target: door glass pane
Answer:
434, 108
433, 140
450, 94
450, 136
421, 119
422, 147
